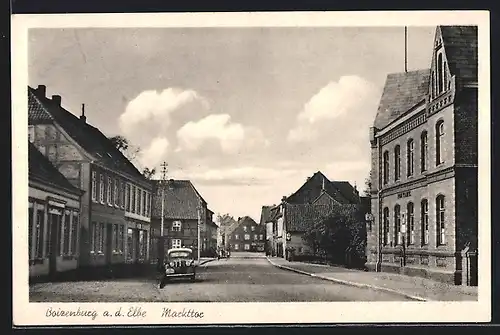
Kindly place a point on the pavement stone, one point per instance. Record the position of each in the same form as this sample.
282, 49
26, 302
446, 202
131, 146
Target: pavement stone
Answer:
413, 287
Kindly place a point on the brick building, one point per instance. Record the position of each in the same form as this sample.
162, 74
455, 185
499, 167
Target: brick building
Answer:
181, 204
424, 163
312, 202
115, 208
247, 235
53, 218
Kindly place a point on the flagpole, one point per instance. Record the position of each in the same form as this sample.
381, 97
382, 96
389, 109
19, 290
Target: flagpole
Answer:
406, 49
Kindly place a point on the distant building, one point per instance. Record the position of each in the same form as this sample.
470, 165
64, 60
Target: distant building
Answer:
313, 201
248, 235
424, 144
53, 218
184, 209
115, 208
266, 220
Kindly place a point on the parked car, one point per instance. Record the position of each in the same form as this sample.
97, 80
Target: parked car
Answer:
178, 263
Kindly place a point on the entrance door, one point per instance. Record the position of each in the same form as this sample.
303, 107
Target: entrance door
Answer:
53, 234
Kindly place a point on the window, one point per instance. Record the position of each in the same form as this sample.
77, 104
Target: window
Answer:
410, 157
423, 151
261, 237
244, 228
424, 206
176, 226
143, 238
411, 223
236, 237
122, 194
137, 200
255, 237
97, 239
132, 199
127, 198
31, 133
439, 142
30, 230
176, 243
66, 229
247, 237
386, 167
75, 227
397, 224
386, 226
433, 84
116, 194
101, 188
247, 246
94, 186
110, 191
236, 247
130, 244
445, 79
144, 203
440, 73
252, 228
397, 163
440, 220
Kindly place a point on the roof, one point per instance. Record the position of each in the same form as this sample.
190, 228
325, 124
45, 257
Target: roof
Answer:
41, 168
300, 217
460, 44
402, 91
181, 200
340, 191
43, 110
265, 215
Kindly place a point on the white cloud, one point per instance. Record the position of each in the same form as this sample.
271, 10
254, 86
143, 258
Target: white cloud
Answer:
351, 98
154, 106
218, 127
152, 155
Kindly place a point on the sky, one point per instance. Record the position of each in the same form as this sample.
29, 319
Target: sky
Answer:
247, 114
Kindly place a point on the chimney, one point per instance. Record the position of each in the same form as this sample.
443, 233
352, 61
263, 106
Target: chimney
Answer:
56, 99
42, 90
83, 117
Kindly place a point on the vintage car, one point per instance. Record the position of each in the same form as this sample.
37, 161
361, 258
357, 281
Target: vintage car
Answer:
179, 263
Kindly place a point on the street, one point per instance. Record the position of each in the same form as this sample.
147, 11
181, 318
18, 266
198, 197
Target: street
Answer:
244, 277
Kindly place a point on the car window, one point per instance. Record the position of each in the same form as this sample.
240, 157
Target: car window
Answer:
179, 254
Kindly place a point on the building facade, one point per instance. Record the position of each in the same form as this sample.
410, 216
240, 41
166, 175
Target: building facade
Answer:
53, 218
248, 235
424, 163
184, 212
115, 207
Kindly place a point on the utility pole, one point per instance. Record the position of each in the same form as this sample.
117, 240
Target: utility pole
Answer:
161, 240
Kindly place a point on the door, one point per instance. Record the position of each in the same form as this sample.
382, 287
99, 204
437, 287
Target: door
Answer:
53, 234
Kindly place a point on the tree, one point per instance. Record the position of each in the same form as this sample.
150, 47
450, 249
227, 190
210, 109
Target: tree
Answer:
341, 237
131, 152
225, 220
368, 185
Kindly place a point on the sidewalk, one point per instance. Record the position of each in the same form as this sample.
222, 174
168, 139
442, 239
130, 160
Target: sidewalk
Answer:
417, 288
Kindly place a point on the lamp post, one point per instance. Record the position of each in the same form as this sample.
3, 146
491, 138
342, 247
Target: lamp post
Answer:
161, 239
403, 235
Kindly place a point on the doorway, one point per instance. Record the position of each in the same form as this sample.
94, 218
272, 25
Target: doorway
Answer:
53, 235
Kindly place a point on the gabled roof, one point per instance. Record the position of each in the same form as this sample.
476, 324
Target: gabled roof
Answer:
181, 200
402, 91
301, 217
40, 168
43, 110
460, 45
265, 215
340, 191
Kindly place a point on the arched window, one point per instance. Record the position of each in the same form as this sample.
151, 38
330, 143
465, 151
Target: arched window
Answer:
386, 226
424, 216
423, 151
397, 224
410, 157
433, 84
440, 220
397, 163
439, 142
445, 77
386, 167
411, 223
440, 73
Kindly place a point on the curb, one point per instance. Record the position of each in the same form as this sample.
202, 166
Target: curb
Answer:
206, 261
350, 283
